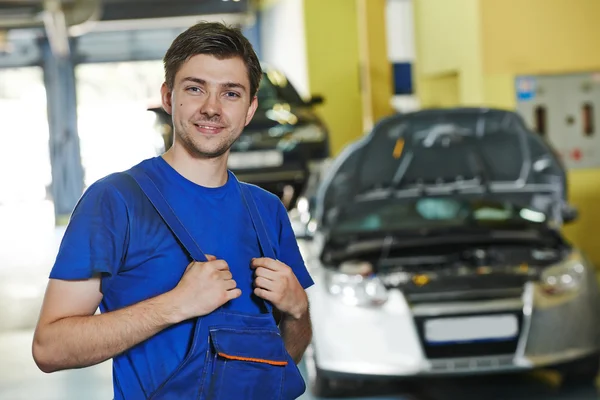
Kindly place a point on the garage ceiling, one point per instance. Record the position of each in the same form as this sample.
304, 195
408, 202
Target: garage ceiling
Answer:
31, 13
61, 19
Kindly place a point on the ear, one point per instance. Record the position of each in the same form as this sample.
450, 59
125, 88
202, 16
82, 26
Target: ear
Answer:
167, 98
251, 110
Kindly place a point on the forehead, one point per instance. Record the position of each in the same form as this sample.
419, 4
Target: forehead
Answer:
214, 70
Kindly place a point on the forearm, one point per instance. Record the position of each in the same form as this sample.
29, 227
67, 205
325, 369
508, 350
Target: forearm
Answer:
81, 341
297, 334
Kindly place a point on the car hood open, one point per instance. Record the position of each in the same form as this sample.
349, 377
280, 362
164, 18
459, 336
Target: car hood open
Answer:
448, 152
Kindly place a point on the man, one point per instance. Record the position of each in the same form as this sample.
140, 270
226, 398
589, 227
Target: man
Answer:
174, 328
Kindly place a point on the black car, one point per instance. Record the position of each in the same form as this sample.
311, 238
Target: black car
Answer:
284, 144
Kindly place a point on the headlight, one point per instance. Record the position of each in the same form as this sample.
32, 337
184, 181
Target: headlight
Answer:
308, 133
563, 278
355, 285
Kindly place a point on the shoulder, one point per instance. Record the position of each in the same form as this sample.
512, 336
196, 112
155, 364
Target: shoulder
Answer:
266, 201
117, 194
116, 185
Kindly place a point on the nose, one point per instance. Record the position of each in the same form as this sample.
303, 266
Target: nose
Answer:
211, 107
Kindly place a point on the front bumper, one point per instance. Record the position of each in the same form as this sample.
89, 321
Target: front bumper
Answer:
388, 341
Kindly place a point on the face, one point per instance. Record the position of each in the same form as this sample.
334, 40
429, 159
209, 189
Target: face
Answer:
210, 104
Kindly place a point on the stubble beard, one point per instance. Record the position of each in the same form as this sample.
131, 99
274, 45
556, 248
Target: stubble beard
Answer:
197, 149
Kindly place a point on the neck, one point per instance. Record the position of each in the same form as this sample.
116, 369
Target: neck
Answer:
207, 172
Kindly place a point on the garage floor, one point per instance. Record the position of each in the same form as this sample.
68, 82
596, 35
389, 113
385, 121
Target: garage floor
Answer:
28, 243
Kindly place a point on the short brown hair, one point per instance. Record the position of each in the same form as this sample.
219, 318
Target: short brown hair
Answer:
215, 39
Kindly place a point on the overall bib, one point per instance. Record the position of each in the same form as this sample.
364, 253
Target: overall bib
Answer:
233, 355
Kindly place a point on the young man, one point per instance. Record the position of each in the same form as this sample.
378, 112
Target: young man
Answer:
177, 327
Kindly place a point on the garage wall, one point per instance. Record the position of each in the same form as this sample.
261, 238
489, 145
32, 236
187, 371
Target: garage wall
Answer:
448, 43
486, 44
401, 52
283, 43
540, 36
549, 37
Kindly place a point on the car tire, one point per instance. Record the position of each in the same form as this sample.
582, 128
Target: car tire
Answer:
581, 372
318, 384
321, 386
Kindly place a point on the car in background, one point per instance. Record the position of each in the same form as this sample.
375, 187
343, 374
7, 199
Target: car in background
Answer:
436, 249
284, 145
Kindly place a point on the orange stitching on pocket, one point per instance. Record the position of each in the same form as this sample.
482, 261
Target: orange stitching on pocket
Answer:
253, 359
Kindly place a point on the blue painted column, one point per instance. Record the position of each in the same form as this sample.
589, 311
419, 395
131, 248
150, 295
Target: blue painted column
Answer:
65, 157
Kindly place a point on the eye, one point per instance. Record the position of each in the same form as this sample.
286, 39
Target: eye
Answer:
232, 94
193, 89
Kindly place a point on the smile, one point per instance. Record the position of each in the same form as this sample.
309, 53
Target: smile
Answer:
211, 129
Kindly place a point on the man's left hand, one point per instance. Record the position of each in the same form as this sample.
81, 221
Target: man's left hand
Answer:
276, 282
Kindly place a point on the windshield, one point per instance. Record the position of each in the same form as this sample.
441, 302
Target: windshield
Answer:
430, 213
276, 89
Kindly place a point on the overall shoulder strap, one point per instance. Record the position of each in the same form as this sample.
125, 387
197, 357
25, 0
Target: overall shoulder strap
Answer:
179, 230
168, 215
259, 226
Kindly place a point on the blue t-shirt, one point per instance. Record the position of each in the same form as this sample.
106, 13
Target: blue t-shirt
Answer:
115, 231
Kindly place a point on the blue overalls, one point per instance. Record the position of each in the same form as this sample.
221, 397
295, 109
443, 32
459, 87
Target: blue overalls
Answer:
232, 355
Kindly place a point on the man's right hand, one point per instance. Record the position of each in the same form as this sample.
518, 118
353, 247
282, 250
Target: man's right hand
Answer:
204, 287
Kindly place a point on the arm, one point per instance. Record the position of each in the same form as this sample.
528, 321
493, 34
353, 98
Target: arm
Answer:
69, 335
296, 333
277, 283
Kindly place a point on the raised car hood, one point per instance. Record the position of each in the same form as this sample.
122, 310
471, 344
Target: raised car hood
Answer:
284, 116
443, 152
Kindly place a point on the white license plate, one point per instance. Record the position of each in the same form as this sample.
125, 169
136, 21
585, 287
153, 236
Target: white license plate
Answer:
471, 329
254, 159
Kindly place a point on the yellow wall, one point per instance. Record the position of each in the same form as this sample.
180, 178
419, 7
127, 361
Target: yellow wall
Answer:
540, 36
440, 91
348, 64
485, 44
547, 37
448, 43
377, 78
333, 59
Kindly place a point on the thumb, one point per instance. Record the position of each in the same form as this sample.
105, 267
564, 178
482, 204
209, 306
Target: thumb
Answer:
210, 257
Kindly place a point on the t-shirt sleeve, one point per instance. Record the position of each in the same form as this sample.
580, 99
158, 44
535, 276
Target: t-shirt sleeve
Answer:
94, 242
289, 253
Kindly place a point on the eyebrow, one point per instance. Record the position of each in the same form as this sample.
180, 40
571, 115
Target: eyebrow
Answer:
228, 85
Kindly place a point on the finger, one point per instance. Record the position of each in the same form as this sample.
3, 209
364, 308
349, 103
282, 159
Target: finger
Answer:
230, 284
210, 257
264, 294
266, 284
220, 265
267, 263
225, 275
266, 273
234, 293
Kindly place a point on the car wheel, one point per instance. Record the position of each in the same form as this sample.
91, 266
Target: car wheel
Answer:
581, 372
319, 384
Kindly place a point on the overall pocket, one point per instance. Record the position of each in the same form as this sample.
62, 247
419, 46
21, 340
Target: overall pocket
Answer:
190, 369
247, 363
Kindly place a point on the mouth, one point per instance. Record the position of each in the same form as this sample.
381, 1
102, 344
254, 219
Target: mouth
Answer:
209, 129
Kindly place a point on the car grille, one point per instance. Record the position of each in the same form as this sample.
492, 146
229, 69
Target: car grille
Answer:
468, 349
477, 364
471, 288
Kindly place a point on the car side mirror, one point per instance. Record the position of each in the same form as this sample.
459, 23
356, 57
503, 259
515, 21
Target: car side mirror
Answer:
316, 100
569, 214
